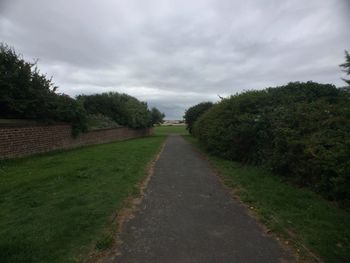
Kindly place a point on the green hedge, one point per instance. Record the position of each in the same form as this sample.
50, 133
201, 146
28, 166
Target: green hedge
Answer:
25, 93
300, 131
121, 108
194, 112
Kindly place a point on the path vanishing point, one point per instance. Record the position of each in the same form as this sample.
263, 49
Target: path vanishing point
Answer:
187, 215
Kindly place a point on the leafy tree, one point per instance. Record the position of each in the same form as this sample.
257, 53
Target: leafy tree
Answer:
27, 94
137, 114
157, 116
107, 104
194, 112
346, 66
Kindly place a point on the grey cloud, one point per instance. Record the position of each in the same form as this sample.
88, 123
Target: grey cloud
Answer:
174, 54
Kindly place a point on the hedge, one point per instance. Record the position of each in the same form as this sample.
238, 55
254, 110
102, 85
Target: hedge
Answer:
300, 131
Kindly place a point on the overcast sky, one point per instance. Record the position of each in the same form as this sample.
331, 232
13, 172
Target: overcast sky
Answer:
174, 54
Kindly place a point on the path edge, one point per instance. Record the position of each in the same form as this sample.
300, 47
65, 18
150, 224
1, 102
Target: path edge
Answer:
234, 194
129, 208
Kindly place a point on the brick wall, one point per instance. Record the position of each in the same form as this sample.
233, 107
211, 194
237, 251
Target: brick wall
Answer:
27, 140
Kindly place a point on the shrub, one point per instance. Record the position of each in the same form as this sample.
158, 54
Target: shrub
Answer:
121, 108
194, 112
157, 116
99, 121
300, 131
27, 94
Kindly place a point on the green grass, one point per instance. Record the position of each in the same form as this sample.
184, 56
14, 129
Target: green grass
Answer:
299, 215
171, 129
55, 207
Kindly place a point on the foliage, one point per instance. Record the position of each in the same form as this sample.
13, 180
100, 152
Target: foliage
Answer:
54, 207
346, 66
300, 131
121, 108
27, 94
99, 121
157, 116
194, 112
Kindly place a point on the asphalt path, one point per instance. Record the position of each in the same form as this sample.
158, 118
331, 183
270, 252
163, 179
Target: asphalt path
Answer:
187, 215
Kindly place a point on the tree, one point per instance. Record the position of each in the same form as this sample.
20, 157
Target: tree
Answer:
194, 112
121, 108
27, 94
157, 116
346, 66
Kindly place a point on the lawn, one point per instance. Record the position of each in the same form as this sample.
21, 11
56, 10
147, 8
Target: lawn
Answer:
55, 207
170, 129
308, 222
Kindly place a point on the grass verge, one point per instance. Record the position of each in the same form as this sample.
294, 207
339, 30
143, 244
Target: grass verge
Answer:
311, 224
170, 129
54, 206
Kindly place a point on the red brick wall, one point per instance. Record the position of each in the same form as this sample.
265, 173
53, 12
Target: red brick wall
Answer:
27, 140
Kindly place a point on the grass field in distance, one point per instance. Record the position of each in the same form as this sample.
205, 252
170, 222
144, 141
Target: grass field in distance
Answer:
170, 129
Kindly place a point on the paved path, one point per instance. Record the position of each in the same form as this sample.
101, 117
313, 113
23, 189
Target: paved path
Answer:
187, 216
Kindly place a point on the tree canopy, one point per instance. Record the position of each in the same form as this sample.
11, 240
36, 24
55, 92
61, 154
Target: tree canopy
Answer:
157, 116
346, 66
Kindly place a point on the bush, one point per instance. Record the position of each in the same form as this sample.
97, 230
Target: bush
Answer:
121, 108
300, 131
27, 94
193, 113
99, 121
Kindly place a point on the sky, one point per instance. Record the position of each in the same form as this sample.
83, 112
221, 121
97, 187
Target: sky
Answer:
174, 54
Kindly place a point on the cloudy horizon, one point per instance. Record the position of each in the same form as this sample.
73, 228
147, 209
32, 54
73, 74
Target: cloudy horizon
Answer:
174, 54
